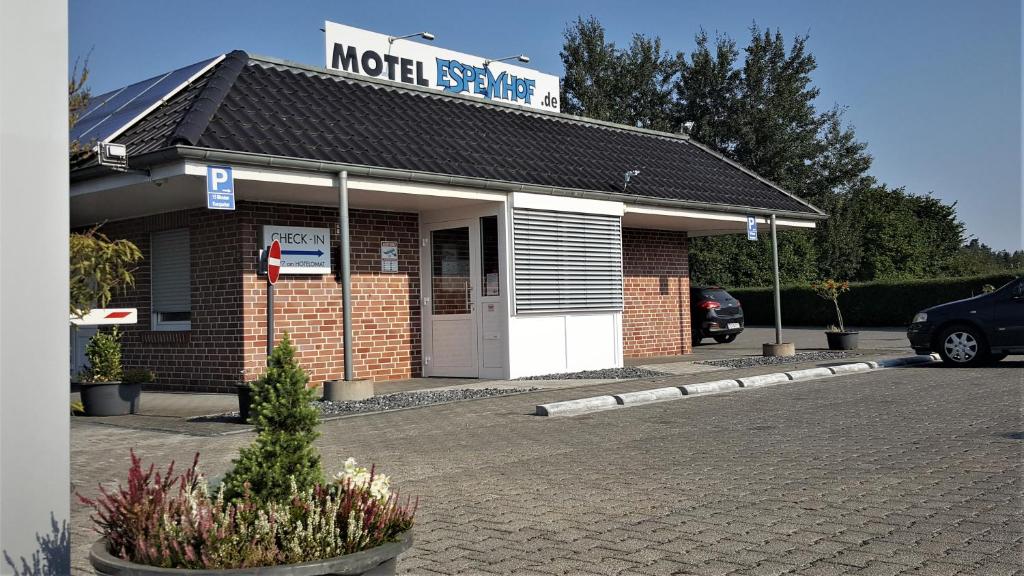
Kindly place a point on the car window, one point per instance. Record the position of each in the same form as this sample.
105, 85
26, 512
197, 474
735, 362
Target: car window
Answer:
1013, 289
716, 294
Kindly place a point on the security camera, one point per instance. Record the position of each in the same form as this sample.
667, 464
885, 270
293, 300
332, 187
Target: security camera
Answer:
627, 176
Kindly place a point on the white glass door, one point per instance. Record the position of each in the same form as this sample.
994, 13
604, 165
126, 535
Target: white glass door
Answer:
450, 302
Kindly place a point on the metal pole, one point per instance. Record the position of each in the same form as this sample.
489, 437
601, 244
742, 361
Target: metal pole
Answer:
345, 271
778, 298
270, 319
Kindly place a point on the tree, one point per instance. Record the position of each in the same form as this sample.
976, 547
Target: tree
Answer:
78, 100
707, 93
286, 423
99, 268
631, 86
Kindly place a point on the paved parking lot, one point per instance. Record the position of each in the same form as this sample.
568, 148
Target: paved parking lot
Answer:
905, 471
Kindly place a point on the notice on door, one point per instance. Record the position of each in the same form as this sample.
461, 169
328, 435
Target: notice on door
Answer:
303, 250
389, 257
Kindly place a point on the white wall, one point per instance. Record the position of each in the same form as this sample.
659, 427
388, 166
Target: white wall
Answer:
34, 479
554, 343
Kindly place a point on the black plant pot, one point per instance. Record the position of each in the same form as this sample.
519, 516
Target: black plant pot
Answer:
244, 401
842, 340
378, 561
110, 398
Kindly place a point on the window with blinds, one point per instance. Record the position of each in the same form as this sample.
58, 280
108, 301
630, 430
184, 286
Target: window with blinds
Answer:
171, 287
567, 262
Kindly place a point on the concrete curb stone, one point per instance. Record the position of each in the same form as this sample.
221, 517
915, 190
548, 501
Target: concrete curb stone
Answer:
648, 396
850, 368
706, 387
763, 380
809, 373
596, 403
571, 407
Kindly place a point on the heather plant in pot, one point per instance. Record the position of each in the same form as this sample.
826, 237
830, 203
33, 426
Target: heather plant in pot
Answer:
274, 511
105, 391
839, 338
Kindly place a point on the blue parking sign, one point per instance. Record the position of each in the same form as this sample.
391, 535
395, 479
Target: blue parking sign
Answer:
751, 228
220, 188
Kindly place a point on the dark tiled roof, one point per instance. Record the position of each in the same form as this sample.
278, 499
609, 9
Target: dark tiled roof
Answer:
257, 106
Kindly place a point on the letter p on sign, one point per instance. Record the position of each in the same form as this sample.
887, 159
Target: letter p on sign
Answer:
219, 180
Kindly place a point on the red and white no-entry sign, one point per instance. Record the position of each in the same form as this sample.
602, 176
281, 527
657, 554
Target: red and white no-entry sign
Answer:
273, 262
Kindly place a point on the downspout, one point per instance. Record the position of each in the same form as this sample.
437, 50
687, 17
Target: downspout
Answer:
344, 270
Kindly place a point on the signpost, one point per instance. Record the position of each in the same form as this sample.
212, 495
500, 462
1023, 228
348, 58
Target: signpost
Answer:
273, 273
304, 250
220, 188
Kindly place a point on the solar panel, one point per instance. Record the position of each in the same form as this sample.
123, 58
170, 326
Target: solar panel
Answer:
107, 115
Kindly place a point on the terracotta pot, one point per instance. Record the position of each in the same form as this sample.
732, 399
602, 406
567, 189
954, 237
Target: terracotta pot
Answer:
379, 561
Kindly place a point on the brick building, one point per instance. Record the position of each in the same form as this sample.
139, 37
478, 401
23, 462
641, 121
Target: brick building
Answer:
486, 240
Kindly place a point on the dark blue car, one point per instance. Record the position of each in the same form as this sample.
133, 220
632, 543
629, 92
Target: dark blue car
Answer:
974, 331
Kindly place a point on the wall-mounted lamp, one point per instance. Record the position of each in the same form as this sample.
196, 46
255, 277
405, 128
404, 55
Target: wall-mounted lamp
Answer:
627, 176
521, 57
424, 35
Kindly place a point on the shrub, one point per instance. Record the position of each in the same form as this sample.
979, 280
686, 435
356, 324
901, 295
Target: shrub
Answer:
104, 357
882, 303
173, 521
285, 421
830, 290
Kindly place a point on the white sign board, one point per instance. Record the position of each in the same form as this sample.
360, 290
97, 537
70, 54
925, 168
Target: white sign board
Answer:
303, 250
389, 257
371, 54
107, 316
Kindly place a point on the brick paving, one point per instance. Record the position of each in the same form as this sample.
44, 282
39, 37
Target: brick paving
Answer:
907, 471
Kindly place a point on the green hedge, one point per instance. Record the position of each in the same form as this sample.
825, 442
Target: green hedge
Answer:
883, 303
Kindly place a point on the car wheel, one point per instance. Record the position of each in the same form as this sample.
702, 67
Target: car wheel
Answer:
962, 346
725, 338
695, 338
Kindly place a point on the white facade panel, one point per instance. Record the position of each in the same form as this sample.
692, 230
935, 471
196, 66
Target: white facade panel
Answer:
550, 344
566, 204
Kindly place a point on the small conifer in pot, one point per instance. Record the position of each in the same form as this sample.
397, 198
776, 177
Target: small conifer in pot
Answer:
286, 428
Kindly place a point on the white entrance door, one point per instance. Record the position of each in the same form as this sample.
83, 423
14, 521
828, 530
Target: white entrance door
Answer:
451, 267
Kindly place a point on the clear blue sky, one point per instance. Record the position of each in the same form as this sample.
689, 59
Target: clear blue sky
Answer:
934, 87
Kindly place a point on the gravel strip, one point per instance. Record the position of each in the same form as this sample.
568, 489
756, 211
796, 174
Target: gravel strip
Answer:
751, 361
606, 374
386, 402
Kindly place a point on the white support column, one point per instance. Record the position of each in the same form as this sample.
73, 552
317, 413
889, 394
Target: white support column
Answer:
34, 348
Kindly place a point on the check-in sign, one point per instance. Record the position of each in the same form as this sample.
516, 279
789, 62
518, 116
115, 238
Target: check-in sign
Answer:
303, 250
220, 188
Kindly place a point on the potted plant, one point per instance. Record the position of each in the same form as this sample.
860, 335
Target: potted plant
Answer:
105, 391
274, 513
838, 337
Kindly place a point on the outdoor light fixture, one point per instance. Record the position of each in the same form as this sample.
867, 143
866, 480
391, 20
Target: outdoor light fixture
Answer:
424, 35
626, 177
112, 155
520, 57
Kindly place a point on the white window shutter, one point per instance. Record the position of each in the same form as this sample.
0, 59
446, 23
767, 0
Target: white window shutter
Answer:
567, 262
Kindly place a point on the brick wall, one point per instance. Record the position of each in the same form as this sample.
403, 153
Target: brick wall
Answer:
209, 356
229, 299
385, 306
655, 318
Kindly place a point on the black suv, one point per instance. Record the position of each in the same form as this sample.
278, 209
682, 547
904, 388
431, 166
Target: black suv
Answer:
714, 313
973, 331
